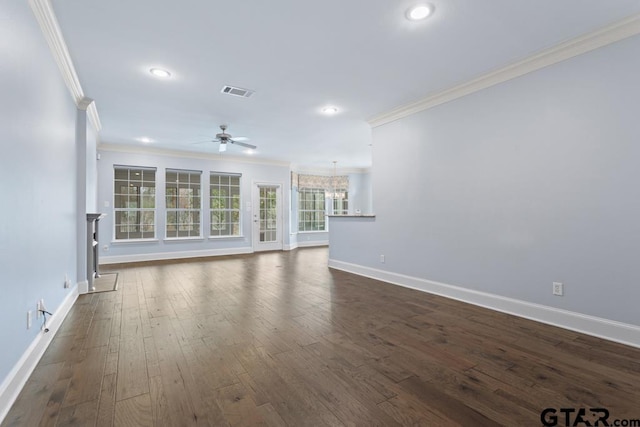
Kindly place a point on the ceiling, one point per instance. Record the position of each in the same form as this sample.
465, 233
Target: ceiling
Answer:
362, 56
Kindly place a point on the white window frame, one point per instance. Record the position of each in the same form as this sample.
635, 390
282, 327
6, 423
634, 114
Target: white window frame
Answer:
304, 207
340, 202
232, 195
124, 202
186, 206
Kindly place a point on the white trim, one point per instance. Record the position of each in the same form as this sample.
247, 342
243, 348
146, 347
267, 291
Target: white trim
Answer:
17, 378
602, 328
133, 149
610, 34
84, 103
312, 243
89, 106
48, 22
119, 259
94, 118
51, 29
183, 239
306, 244
83, 287
218, 238
329, 171
131, 241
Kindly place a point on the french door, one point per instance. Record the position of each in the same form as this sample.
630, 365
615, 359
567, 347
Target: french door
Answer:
267, 217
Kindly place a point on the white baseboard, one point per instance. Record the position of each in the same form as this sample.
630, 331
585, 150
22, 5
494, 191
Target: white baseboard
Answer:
306, 244
311, 243
611, 330
118, 259
17, 378
83, 287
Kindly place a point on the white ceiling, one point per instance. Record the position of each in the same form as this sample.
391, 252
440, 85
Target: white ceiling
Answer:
362, 56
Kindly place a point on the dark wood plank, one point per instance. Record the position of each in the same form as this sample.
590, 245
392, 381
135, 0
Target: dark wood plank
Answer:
81, 415
132, 364
107, 403
32, 403
134, 412
87, 377
279, 339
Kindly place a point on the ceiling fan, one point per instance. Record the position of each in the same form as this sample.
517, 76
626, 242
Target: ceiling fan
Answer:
224, 138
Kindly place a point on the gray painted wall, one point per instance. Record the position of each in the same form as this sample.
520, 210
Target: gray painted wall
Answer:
360, 193
38, 173
506, 190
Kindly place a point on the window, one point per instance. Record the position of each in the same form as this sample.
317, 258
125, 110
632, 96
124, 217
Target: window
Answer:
311, 209
340, 201
318, 195
224, 203
183, 203
134, 202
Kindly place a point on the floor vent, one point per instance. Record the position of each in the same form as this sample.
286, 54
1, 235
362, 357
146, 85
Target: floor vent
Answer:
237, 91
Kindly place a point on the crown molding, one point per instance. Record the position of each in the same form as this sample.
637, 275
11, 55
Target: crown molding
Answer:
84, 103
92, 112
328, 171
131, 149
612, 33
48, 22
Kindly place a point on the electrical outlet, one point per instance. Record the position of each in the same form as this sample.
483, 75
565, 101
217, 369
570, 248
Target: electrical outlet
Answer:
382, 259
29, 315
105, 248
41, 306
558, 289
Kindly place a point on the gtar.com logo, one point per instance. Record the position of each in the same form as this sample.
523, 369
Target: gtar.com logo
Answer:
552, 417
587, 417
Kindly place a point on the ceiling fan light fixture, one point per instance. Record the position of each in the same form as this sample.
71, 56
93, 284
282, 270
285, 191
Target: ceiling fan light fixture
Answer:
161, 73
419, 12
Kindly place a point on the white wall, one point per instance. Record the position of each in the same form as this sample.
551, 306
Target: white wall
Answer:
251, 172
38, 175
514, 187
360, 193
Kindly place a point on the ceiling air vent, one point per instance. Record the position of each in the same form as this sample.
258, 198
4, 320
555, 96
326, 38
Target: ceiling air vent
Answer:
237, 91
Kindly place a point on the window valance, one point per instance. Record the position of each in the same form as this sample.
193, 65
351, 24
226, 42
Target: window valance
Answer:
326, 183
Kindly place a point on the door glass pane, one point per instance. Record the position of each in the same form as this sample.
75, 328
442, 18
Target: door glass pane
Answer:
268, 214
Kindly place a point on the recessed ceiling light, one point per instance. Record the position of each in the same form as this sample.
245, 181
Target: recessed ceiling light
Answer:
145, 139
330, 110
248, 151
159, 72
420, 11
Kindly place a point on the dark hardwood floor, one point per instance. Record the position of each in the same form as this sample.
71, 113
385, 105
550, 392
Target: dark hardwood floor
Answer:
279, 339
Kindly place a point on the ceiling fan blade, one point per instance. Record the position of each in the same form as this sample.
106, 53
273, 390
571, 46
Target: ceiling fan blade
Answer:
202, 142
223, 147
242, 144
240, 138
